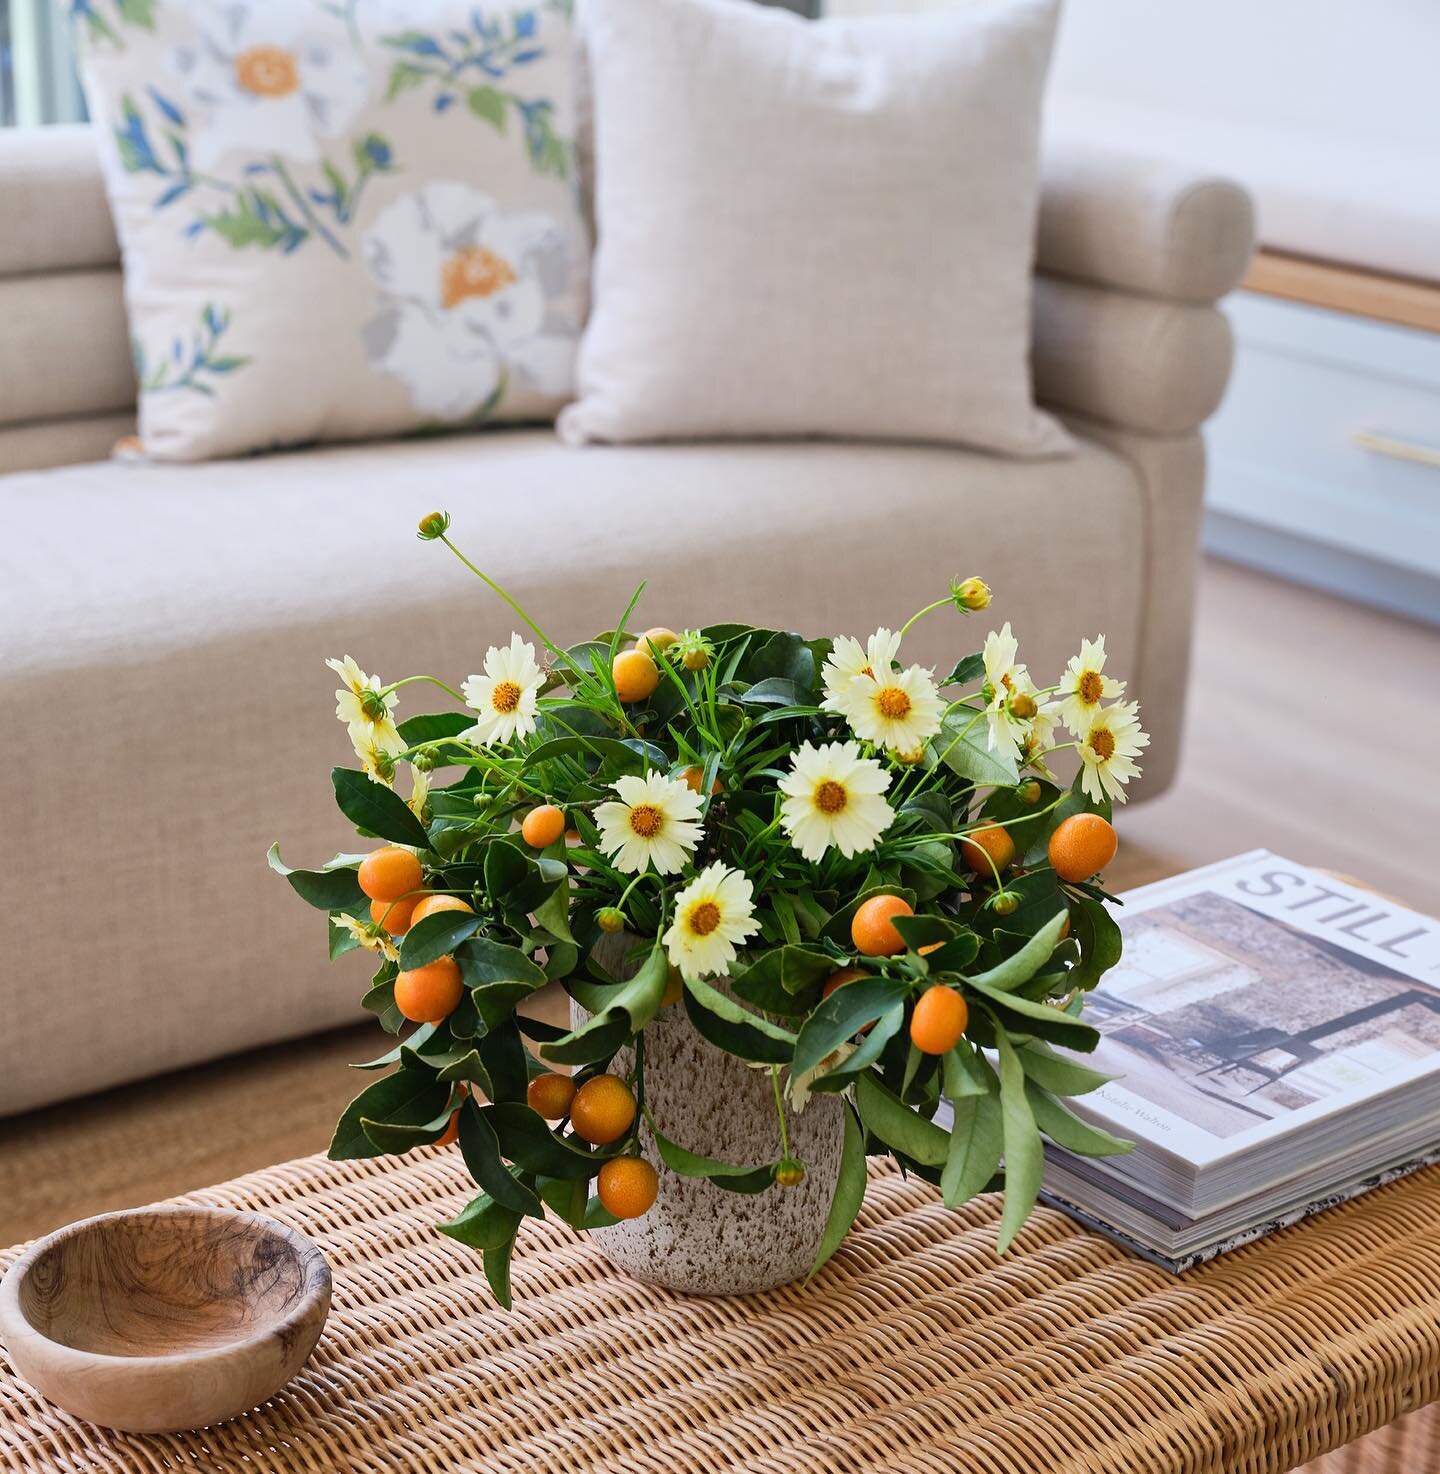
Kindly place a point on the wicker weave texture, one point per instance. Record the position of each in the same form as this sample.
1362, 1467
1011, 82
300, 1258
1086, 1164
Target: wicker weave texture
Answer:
915, 1352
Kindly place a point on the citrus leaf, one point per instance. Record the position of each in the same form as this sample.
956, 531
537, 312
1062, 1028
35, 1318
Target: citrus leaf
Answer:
529, 1142
899, 1127
326, 890
1068, 1130
433, 726
723, 1174
408, 1096
976, 1139
483, 961
1021, 1016
1024, 1155
1055, 1073
481, 1150
375, 809
965, 752
483, 1224
729, 1026
631, 1005
1100, 943
1021, 966
966, 1073
842, 1015
849, 1195
436, 936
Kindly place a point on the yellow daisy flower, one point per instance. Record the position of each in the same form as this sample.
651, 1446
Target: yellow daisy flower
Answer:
1085, 685
1108, 748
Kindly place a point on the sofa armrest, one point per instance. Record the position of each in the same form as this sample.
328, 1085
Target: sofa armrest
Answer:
1153, 227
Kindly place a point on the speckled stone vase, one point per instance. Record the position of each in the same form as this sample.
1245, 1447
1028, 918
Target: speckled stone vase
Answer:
698, 1238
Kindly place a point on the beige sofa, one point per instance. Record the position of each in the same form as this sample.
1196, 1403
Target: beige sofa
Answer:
163, 629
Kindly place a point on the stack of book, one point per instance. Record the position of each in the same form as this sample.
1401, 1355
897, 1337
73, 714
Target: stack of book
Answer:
1275, 1038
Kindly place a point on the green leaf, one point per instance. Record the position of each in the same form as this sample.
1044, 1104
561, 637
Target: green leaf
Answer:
976, 1139
777, 691
375, 809
484, 1224
899, 1127
966, 1072
971, 668
436, 936
503, 1053
529, 1142
631, 1005
326, 890
481, 1150
849, 1194
1024, 1155
495, 1002
1100, 943
1022, 1016
553, 913
775, 979
470, 1068
1066, 1129
842, 1015
487, 103
406, 1097
380, 1001
723, 1174
483, 961
1053, 1072
1021, 966
497, 1270
422, 1034
433, 726
965, 752
925, 931
729, 1026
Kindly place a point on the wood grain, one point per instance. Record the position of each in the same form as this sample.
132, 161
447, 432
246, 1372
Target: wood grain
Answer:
1397, 299
162, 1319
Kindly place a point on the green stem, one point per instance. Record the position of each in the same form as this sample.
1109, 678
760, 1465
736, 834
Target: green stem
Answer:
434, 680
780, 1111
928, 609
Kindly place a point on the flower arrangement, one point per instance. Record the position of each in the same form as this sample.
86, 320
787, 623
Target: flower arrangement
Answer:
851, 874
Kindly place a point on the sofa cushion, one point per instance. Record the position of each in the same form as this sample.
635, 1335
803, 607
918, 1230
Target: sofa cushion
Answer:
163, 630
339, 221
872, 280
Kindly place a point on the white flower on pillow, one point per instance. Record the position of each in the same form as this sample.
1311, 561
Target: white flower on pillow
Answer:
268, 77
472, 299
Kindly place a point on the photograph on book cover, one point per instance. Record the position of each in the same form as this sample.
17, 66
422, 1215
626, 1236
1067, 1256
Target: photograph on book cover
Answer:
1256, 994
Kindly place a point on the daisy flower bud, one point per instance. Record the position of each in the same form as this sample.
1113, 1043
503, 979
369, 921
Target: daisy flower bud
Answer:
433, 525
422, 762
694, 650
971, 594
610, 918
1005, 903
1028, 792
789, 1173
1023, 705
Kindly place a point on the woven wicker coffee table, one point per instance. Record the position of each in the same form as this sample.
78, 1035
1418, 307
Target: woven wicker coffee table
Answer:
916, 1350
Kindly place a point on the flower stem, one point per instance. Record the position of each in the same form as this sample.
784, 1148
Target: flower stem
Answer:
780, 1111
435, 680
928, 609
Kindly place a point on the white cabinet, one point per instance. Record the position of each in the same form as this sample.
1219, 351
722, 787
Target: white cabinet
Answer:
1329, 441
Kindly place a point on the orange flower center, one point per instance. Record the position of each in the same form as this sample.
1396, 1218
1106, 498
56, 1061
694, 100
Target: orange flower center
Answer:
473, 272
893, 703
830, 797
267, 71
1102, 743
645, 820
1090, 687
505, 697
704, 918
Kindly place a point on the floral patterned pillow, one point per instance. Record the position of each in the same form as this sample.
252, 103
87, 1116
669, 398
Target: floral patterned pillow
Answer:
339, 218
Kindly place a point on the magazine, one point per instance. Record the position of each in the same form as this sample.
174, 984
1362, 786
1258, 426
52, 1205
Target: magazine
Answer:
1275, 1037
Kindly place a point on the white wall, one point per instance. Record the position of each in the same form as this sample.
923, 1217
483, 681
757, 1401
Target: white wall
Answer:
1365, 69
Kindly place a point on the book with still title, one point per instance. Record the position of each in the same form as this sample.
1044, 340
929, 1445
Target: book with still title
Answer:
1274, 1034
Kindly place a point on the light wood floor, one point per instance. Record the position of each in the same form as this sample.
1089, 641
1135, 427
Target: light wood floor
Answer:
1312, 732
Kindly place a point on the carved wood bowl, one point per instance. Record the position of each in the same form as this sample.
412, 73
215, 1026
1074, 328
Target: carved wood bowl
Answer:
163, 1319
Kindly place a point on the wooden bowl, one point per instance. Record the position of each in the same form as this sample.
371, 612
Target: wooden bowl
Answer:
162, 1319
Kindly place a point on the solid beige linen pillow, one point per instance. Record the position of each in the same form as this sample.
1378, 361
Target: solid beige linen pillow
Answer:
813, 228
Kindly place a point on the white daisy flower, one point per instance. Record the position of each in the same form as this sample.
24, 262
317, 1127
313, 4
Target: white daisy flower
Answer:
358, 702
712, 914
507, 695
654, 819
1039, 737
373, 940
1108, 748
377, 749
849, 660
898, 710
270, 77
832, 797
419, 793
1084, 686
1005, 677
